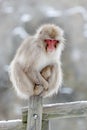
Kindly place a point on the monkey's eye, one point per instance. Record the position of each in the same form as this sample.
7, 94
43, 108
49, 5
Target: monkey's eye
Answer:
57, 41
45, 40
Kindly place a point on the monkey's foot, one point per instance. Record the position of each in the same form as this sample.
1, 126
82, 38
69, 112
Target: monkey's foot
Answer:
38, 89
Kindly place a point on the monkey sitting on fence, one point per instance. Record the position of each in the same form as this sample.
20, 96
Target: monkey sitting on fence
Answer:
36, 67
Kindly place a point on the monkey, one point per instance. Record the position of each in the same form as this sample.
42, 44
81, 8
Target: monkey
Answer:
36, 67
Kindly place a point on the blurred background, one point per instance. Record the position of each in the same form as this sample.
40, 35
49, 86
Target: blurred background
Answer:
20, 18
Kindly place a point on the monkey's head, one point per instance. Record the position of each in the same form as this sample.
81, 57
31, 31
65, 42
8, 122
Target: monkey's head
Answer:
51, 37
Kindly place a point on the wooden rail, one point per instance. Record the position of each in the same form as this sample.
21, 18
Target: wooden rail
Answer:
59, 110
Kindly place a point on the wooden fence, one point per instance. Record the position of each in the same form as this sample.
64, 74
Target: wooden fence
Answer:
36, 116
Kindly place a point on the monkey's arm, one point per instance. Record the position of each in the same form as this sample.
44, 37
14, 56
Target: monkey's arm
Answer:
21, 83
32, 51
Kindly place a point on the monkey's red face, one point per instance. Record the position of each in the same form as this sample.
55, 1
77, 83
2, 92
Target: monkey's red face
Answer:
51, 44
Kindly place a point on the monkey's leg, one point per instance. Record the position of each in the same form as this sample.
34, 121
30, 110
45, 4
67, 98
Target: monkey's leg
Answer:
22, 84
54, 74
46, 73
52, 81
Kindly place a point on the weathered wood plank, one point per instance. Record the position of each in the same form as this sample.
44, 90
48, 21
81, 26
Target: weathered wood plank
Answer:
12, 125
17, 125
34, 120
62, 110
65, 110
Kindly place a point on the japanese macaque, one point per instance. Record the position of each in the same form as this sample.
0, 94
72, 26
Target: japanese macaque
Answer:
36, 67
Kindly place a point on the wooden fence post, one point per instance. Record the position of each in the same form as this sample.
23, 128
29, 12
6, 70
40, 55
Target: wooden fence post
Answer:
34, 120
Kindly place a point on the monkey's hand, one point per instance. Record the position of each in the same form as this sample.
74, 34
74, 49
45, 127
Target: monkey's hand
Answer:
46, 73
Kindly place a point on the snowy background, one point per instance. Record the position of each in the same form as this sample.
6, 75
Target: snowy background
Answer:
20, 18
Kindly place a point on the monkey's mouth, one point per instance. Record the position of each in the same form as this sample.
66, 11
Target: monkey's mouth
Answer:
50, 48
51, 44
